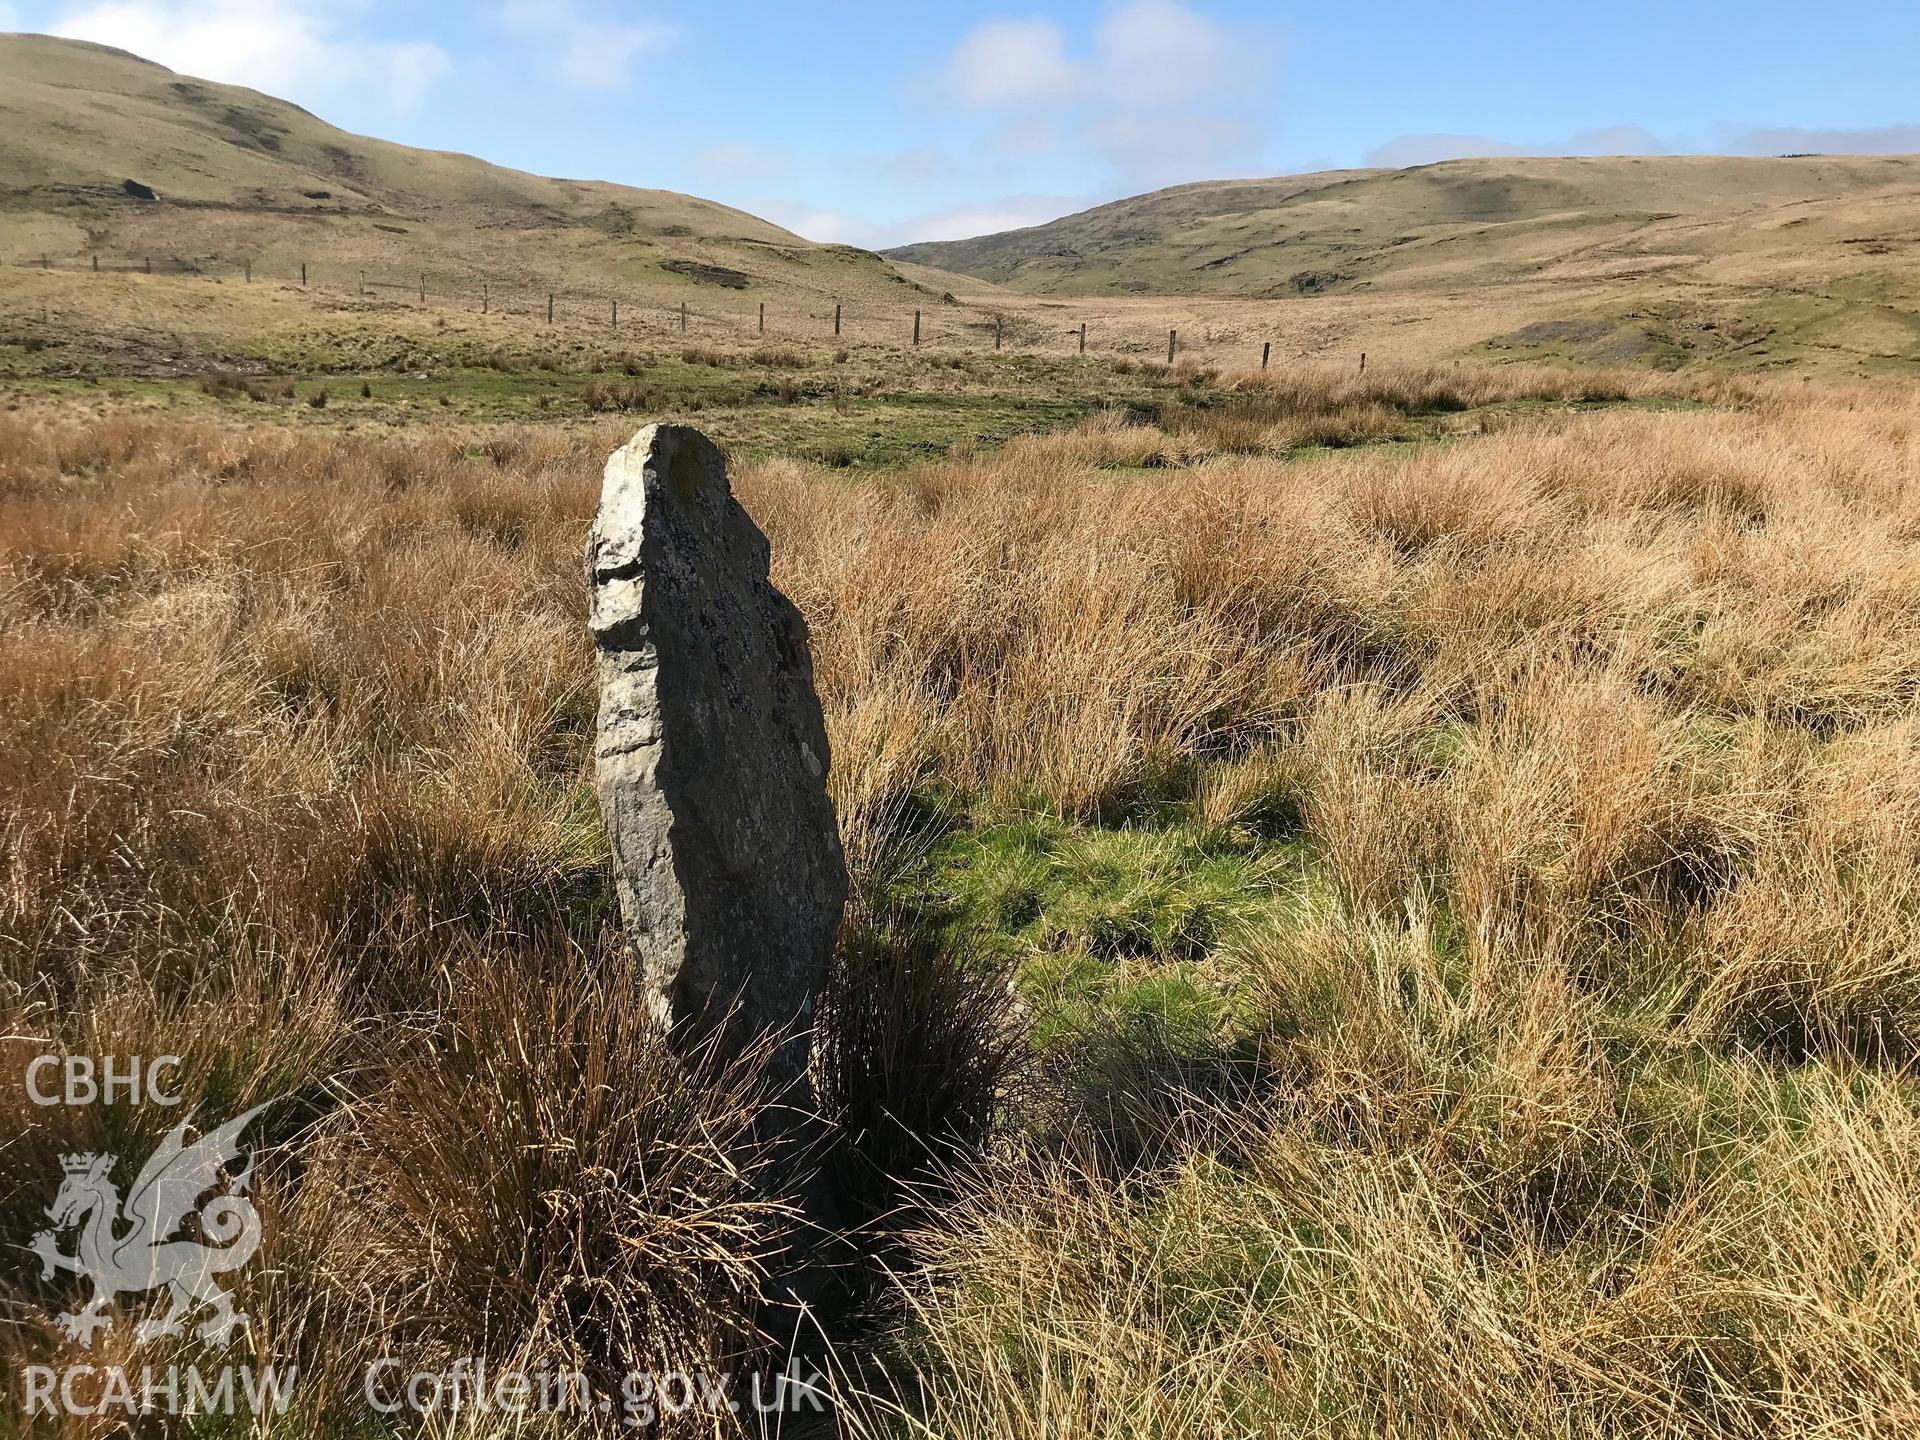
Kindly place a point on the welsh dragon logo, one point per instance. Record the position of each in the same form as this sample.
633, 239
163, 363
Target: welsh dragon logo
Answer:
136, 1247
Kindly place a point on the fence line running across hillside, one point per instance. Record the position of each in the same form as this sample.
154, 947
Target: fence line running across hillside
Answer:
617, 315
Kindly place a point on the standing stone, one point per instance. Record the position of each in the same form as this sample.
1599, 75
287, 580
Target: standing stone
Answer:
711, 760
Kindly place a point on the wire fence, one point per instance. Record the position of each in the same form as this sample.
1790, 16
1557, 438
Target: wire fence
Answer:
744, 317
741, 316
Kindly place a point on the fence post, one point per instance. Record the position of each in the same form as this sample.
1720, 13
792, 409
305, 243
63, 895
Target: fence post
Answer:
423, 287
836, 318
1170, 339
1083, 337
683, 317
616, 314
363, 282
249, 267
763, 317
96, 264
303, 274
1363, 362
149, 264
996, 332
549, 307
44, 264
916, 327
483, 297
1266, 349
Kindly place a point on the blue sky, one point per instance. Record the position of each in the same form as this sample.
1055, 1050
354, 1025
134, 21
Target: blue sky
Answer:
881, 123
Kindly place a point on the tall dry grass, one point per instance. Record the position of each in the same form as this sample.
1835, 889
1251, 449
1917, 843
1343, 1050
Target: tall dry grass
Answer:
1570, 1099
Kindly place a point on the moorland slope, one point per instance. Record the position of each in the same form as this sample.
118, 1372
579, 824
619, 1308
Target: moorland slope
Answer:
108, 154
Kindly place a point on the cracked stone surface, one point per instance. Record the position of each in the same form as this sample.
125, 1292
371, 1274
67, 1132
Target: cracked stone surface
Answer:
711, 756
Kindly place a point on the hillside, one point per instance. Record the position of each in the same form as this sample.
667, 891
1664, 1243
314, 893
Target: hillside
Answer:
419, 259
1744, 263
1461, 222
238, 177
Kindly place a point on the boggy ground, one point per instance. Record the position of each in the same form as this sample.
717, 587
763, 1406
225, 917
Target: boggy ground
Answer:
1420, 868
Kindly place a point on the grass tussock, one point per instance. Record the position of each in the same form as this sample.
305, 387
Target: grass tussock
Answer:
1407, 937
917, 1067
597, 397
540, 1169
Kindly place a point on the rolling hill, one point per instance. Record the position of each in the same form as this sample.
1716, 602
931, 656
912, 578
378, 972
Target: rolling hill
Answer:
1458, 223
1742, 262
107, 154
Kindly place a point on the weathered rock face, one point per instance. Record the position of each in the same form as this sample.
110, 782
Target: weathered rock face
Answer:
711, 760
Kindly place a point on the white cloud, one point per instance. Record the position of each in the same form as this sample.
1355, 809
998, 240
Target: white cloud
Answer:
1144, 53
1405, 150
918, 165
739, 161
1153, 93
586, 52
1024, 137
957, 222
410, 69
952, 223
600, 57
1011, 62
828, 227
1793, 140
1150, 151
1638, 140
291, 48
1157, 49
1618, 140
